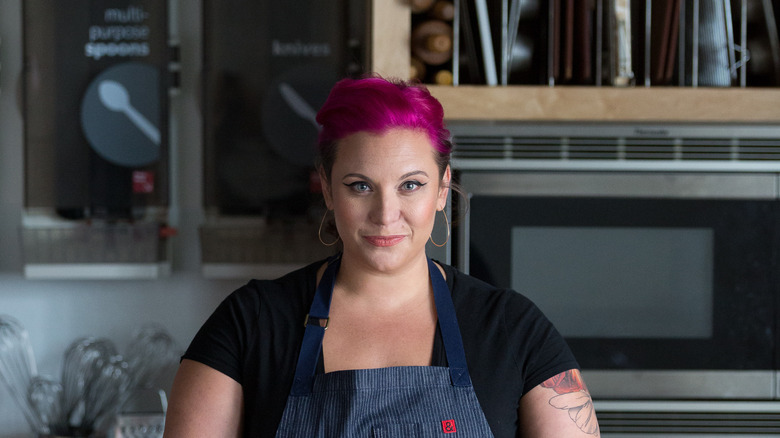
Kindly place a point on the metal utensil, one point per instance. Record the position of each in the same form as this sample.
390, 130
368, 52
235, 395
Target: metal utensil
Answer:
83, 362
105, 393
44, 397
17, 366
150, 355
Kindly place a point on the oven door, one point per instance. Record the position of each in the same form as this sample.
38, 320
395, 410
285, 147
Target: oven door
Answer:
664, 285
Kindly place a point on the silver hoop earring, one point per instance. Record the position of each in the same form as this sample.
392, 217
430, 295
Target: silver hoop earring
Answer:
447, 222
319, 232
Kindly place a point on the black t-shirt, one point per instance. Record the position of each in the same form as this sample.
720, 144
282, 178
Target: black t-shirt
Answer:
255, 334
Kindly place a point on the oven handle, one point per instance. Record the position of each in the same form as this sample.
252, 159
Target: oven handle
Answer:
671, 185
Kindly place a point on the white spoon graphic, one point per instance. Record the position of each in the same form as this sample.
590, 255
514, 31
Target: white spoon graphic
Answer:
115, 97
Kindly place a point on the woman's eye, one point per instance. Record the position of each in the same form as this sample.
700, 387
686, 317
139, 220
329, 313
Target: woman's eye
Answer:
411, 185
359, 186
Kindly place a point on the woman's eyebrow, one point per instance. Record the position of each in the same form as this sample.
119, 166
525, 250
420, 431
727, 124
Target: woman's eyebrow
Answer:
404, 176
413, 173
355, 175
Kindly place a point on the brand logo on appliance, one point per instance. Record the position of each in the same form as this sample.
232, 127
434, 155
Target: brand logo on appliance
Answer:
656, 132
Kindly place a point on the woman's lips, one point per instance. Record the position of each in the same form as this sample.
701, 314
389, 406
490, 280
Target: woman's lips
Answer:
383, 240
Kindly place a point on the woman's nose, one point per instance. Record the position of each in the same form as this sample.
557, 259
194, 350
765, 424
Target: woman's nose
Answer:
385, 209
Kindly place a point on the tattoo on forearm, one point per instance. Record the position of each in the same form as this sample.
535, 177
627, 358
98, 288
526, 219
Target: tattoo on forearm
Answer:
573, 396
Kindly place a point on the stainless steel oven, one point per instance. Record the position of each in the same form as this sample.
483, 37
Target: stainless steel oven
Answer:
654, 249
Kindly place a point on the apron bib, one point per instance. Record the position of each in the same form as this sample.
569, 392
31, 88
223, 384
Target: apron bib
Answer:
407, 401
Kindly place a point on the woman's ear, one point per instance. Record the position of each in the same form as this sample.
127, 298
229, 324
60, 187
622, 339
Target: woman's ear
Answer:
444, 188
326, 188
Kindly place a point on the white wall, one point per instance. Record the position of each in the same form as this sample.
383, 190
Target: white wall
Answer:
57, 312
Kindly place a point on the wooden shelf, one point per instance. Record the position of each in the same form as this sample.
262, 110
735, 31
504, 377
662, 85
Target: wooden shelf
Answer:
391, 27
566, 103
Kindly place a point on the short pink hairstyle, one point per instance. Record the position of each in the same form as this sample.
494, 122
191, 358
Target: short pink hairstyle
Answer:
375, 104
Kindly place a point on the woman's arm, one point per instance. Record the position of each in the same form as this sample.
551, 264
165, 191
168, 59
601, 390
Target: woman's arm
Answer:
203, 403
561, 407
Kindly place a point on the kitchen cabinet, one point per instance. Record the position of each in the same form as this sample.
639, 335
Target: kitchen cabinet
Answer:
95, 103
391, 27
267, 67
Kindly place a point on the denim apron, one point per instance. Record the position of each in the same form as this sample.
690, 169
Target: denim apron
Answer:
406, 401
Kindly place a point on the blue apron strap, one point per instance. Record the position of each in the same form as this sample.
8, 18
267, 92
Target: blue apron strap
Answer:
315, 330
450, 333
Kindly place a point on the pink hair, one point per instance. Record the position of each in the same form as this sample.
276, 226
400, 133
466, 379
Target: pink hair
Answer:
375, 104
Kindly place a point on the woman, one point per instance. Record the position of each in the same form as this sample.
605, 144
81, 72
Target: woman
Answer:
390, 343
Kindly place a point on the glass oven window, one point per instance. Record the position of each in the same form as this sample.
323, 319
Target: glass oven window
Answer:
640, 283
620, 282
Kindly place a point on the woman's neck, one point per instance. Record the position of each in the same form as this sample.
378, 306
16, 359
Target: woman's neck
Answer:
383, 290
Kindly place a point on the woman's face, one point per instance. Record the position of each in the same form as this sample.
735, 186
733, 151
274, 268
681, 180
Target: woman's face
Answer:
385, 191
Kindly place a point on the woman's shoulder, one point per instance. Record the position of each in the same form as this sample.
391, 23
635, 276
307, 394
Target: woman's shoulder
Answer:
465, 287
292, 289
300, 277
485, 307
505, 334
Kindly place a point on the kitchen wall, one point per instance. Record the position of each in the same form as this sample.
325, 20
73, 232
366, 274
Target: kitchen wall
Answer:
57, 312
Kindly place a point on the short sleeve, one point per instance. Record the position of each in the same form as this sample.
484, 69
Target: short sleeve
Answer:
222, 340
543, 352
